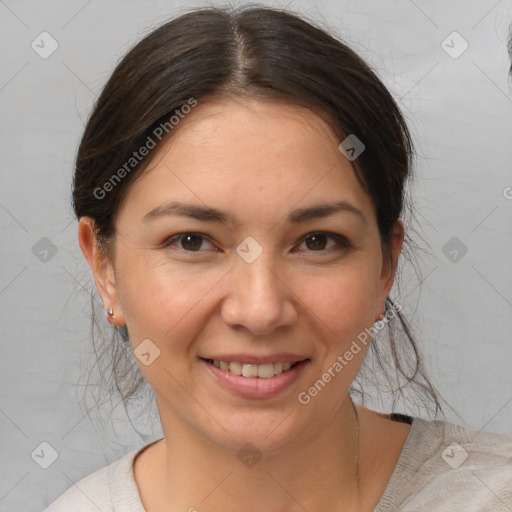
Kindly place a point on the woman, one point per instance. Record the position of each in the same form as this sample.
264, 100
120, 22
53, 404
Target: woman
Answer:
239, 188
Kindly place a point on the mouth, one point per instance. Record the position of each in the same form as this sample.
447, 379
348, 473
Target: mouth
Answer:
253, 371
255, 381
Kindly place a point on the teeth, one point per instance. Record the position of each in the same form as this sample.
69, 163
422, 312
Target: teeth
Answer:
250, 370
235, 368
263, 371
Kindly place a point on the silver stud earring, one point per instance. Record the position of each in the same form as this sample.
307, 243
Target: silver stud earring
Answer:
110, 312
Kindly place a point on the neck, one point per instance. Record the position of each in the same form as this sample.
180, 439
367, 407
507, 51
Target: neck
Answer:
318, 473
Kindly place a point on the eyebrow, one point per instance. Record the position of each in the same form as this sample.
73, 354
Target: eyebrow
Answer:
206, 213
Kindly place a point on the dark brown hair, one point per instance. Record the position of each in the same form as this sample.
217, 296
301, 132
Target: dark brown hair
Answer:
249, 52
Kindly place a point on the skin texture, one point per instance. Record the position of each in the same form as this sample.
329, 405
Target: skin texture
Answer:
258, 161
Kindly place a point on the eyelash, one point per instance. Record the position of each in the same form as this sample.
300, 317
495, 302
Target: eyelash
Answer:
340, 240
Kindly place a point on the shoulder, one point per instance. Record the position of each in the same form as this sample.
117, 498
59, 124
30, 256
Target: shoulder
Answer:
90, 493
464, 448
107, 489
459, 467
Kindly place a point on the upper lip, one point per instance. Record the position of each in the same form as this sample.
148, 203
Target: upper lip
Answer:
281, 357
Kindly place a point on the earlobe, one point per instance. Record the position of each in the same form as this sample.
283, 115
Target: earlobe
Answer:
101, 268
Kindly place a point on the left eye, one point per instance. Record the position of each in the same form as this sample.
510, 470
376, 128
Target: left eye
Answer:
318, 241
190, 242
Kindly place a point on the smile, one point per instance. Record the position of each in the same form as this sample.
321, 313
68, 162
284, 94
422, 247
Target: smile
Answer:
255, 381
262, 371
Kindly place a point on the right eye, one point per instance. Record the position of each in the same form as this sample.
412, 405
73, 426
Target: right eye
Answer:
190, 242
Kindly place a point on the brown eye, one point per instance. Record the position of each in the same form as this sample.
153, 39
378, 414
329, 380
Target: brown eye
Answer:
190, 242
320, 241
315, 242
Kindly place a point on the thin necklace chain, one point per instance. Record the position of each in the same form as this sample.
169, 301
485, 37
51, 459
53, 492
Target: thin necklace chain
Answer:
357, 454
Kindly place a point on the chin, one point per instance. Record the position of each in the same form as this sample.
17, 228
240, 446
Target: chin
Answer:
267, 432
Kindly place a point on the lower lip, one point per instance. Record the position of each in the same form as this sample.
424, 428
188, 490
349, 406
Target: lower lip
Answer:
256, 387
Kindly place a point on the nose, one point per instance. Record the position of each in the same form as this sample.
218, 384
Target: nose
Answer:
258, 298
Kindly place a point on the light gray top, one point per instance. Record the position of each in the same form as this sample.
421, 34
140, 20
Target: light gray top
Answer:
442, 467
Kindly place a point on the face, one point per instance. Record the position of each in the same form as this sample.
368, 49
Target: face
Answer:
255, 270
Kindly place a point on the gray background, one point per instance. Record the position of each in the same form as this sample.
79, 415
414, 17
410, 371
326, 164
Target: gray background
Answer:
459, 110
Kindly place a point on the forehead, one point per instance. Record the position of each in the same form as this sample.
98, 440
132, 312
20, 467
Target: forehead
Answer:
242, 128
248, 154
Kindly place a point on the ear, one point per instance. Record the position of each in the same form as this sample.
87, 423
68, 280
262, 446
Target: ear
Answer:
102, 269
388, 268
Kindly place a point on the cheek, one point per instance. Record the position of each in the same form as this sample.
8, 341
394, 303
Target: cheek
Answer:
342, 302
159, 301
